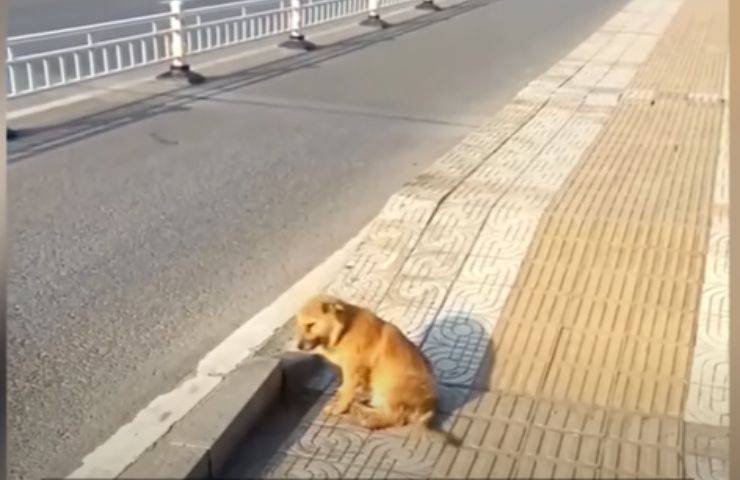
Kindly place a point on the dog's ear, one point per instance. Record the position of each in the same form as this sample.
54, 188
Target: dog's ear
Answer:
335, 307
339, 320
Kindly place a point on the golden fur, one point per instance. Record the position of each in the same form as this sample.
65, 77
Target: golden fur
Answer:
386, 380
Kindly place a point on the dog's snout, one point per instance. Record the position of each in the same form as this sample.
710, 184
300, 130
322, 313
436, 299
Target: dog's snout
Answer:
304, 344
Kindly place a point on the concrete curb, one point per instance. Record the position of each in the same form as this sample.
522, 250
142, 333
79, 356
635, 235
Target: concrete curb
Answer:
200, 444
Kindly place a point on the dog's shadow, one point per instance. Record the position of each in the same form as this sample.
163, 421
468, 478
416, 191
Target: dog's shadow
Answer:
461, 351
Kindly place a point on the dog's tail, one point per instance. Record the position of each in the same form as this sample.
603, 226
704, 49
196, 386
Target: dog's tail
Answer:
423, 427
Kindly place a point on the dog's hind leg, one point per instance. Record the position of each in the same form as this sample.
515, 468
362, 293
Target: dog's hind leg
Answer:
376, 418
354, 383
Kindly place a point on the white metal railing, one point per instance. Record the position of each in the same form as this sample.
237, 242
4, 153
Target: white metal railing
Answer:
41, 61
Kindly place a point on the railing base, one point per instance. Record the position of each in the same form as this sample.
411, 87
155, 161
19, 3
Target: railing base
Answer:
10, 134
428, 5
298, 42
374, 21
182, 72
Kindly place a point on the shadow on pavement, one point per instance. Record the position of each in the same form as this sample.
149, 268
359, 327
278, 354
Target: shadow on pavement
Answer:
461, 351
33, 141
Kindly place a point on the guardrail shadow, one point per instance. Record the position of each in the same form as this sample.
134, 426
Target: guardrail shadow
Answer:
32, 141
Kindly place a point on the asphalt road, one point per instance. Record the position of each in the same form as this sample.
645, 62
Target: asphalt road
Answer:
141, 237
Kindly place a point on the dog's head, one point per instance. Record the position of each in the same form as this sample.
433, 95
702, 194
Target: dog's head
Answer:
321, 322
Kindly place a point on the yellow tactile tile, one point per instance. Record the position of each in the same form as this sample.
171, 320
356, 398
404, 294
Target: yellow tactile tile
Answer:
648, 394
610, 287
581, 368
528, 348
698, 53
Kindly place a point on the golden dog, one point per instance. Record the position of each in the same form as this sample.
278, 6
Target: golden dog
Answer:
386, 380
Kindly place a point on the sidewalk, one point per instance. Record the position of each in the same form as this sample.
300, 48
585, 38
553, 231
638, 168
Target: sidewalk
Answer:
565, 268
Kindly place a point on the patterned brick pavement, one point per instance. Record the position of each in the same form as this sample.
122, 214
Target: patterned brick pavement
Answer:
565, 268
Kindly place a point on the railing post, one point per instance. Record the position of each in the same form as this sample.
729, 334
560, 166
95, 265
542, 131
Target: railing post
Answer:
177, 49
179, 67
297, 40
428, 5
373, 16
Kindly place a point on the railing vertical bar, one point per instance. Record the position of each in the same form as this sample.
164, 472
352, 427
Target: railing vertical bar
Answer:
155, 42
106, 63
62, 70
29, 73
11, 71
199, 31
78, 69
244, 23
91, 55
119, 57
11, 78
47, 76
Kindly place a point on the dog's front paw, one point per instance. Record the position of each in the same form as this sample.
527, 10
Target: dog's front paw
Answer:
336, 407
329, 408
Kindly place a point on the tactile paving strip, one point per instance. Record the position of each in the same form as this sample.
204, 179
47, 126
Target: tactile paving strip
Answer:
628, 231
